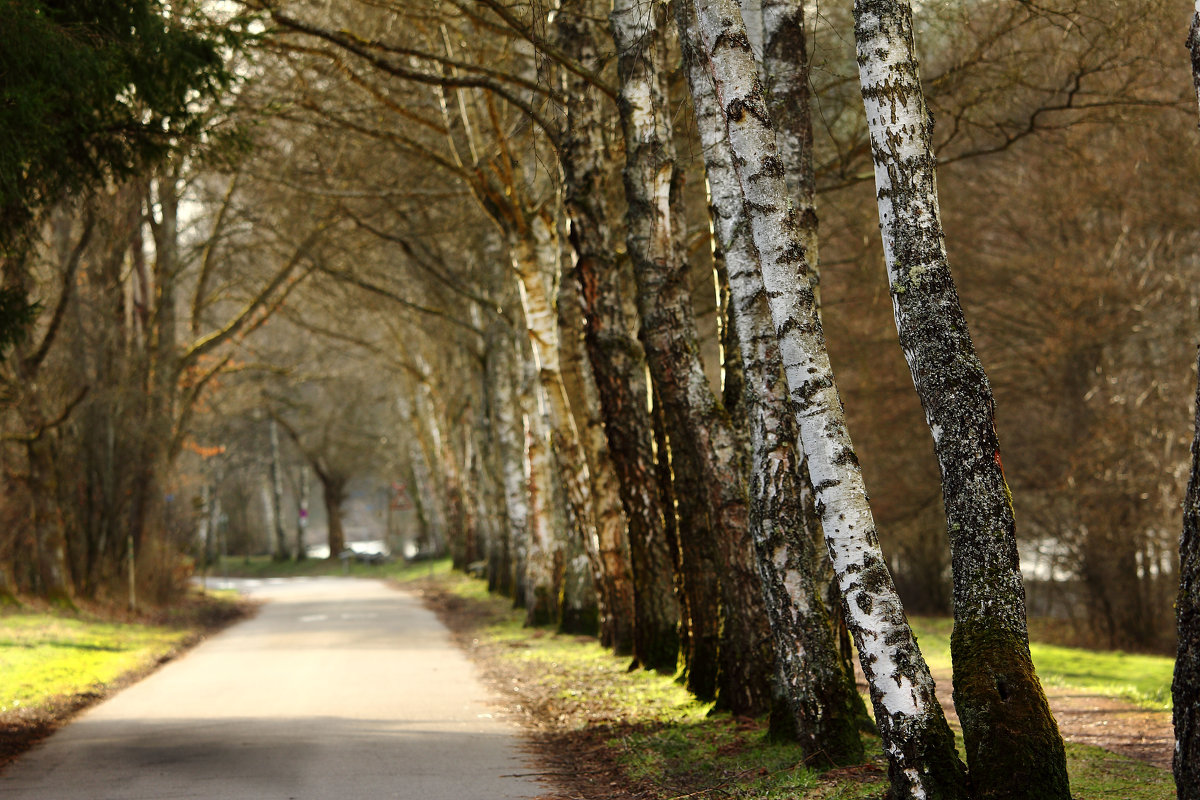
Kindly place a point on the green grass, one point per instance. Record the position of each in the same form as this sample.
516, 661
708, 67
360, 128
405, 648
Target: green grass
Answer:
1141, 679
45, 656
265, 567
670, 746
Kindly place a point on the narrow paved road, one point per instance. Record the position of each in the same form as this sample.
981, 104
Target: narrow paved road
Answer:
338, 689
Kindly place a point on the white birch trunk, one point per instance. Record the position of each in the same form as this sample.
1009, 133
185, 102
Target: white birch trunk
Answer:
785, 77
616, 357
826, 711
916, 737
703, 442
1014, 750
537, 263
540, 579
510, 435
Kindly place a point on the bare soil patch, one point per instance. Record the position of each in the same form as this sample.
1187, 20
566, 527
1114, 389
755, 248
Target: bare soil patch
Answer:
1096, 720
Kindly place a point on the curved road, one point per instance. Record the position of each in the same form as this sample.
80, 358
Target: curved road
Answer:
338, 688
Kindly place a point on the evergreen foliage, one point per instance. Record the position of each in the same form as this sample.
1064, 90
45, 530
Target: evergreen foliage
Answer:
90, 90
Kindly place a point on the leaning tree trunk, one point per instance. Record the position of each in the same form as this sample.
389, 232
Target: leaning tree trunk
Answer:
333, 490
1014, 749
916, 737
695, 419
826, 712
543, 555
785, 77
510, 441
617, 358
535, 258
1185, 690
617, 627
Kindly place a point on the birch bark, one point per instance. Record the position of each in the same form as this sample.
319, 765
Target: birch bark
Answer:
510, 435
542, 554
916, 737
826, 712
536, 263
703, 444
1185, 689
617, 358
617, 626
785, 78
1014, 749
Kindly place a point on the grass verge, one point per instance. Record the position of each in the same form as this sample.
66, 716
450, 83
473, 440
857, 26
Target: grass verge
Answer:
264, 567
1144, 680
606, 731
55, 663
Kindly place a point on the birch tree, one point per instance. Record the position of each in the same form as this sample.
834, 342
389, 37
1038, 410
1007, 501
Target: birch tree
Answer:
1013, 745
825, 710
617, 357
704, 447
916, 738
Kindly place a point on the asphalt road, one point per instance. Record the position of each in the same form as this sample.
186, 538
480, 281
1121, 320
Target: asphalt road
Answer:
339, 688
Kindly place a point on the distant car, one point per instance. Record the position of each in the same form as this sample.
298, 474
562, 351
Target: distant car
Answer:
373, 552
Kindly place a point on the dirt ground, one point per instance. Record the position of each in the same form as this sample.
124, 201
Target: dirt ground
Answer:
567, 737
1099, 721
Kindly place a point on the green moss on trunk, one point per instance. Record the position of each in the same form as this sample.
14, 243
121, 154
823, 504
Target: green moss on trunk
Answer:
1014, 750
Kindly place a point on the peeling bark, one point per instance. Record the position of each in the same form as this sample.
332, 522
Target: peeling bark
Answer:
916, 738
1014, 749
617, 358
704, 447
826, 712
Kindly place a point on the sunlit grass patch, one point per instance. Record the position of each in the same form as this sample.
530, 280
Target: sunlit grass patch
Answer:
1141, 679
670, 746
1097, 773
45, 656
723, 756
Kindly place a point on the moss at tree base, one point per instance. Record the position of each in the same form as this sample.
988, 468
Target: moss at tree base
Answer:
1014, 750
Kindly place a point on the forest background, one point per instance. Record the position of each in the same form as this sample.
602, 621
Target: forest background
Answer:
271, 250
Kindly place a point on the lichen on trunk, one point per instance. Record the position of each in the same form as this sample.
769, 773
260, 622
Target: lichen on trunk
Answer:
1014, 749
1185, 689
916, 737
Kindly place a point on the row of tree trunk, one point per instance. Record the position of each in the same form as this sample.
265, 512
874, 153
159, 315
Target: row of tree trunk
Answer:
708, 525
